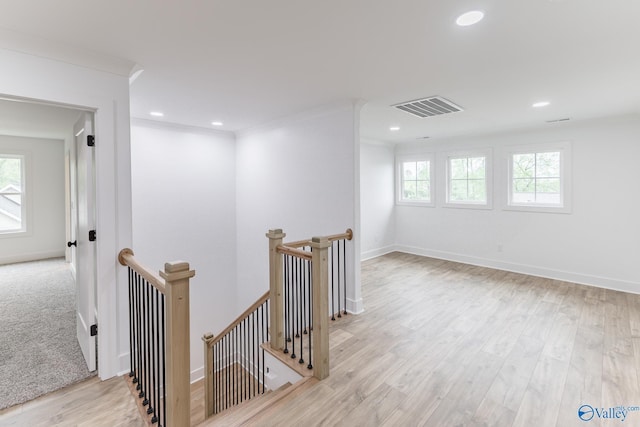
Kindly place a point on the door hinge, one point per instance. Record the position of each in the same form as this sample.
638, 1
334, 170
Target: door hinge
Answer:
91, 140
94, 330
92, 235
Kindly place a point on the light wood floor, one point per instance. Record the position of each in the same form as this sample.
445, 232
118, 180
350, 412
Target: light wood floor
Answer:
92, 403
442, 344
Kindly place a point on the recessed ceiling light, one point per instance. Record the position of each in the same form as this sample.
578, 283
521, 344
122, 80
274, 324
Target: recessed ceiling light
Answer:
394, 128
540, 104
217, 123
470, 18
156, 114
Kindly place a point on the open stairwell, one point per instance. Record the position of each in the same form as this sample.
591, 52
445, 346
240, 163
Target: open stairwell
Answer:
275, 351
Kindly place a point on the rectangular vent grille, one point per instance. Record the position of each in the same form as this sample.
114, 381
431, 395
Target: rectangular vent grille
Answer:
566, 119
427, 107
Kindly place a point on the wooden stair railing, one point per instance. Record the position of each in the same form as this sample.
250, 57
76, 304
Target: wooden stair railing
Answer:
234, 359
296, 305
159, 339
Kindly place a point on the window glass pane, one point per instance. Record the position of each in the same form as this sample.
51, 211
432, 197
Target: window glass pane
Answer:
524, 165
477, 190
536, 178
548, 165
409, 190
524, 185
10, 194
10, 174
423, 190
548, 185
423, 170
458, 168
476, 168
458, 191
409, 170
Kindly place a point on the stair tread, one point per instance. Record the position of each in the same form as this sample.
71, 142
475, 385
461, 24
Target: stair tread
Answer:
301, 369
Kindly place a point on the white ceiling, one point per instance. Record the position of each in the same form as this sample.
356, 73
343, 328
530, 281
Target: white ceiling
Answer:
248, 62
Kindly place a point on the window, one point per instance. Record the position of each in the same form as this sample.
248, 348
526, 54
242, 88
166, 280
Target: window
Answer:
12, 206
468, 183
538, 177
415, 180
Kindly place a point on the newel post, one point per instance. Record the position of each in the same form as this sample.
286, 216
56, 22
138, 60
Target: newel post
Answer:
178, 394
320, 298
276, 311
208, 374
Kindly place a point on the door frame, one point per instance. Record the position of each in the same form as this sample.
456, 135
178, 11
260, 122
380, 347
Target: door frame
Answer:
113, 225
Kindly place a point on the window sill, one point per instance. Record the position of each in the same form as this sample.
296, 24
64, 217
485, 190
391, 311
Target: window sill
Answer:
417, 204
538, 209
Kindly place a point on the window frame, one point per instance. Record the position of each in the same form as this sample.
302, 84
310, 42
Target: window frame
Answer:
564, 148
415, 157
487, 153
24, 193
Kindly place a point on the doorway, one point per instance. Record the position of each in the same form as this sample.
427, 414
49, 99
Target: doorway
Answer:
44, 244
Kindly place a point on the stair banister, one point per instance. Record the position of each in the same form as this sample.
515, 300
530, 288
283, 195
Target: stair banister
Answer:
276, 320
320, 303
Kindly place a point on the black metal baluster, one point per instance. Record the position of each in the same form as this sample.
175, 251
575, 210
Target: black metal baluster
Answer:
333, 289
136, 379
164, 372
148, 346
294, 271
131, 325
141, 374
344, 272
340, 263
264, 334
253, 352
309, 366
226, 372
286, 304
152, 361
301, 263
160, 354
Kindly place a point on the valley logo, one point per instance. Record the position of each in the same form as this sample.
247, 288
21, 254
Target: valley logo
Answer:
588, 412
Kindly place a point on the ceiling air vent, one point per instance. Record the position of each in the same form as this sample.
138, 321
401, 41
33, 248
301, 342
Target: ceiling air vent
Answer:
566, 119
427, 107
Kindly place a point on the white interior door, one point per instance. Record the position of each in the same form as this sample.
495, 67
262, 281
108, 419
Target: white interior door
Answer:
85, 249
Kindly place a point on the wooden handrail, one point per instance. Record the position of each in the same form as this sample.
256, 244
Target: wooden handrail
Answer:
287, 250
346, 235
127, 258
211, 342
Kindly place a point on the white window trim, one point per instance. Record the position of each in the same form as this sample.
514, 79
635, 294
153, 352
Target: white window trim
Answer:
25, 229
487, 153
430, 157
565, 177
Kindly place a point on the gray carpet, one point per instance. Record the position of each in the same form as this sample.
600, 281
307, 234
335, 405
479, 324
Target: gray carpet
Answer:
39, 351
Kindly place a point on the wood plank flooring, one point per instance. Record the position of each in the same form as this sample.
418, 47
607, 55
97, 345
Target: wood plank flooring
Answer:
92, 403
448, 344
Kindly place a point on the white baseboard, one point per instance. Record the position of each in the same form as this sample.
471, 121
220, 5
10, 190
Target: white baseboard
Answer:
33, 256
355, 306
197, 374
567, 276
373, 253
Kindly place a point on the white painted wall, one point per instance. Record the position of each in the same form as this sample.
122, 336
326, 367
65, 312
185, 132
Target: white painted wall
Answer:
377, 198
298, 175
183, 184
45, 236
35, 77
596, 244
